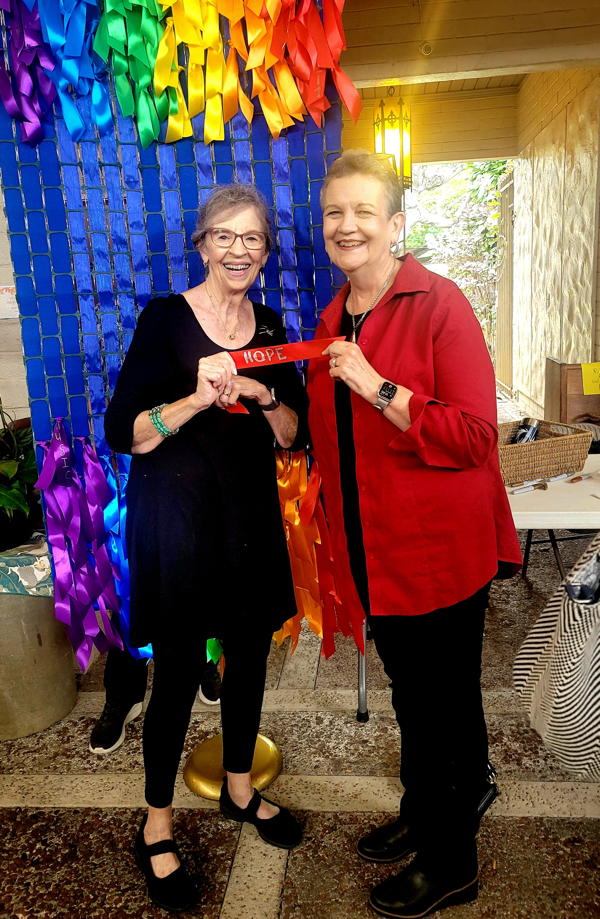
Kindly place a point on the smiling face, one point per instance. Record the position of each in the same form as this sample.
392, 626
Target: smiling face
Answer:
356, 226
234, 269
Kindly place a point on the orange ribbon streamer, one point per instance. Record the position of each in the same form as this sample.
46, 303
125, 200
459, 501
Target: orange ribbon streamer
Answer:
302, 539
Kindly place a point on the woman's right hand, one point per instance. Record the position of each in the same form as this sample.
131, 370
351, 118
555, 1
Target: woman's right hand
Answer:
214, 375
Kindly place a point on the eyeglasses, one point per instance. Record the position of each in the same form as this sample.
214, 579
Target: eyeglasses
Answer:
224, 239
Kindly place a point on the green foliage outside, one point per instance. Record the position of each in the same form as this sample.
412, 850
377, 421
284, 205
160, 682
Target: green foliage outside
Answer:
455, 218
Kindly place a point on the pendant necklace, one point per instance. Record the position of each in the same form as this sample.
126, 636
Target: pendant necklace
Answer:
356, 325
230, 335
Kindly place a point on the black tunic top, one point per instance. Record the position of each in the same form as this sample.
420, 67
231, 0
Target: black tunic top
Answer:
205, 537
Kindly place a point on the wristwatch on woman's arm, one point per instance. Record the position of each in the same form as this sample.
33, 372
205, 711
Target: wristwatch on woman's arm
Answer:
272, 405
385, 394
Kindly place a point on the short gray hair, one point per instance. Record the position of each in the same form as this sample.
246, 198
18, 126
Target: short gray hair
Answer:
234, 197
361, 162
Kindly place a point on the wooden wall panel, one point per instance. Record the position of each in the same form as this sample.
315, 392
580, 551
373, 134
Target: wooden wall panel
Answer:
580, 218
449, 128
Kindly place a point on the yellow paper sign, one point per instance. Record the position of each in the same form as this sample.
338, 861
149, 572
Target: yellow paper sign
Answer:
591, 378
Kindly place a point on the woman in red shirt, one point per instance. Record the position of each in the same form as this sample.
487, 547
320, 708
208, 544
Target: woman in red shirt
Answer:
403, 421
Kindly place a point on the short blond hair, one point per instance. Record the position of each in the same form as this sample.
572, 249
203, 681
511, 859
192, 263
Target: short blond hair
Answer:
361, 162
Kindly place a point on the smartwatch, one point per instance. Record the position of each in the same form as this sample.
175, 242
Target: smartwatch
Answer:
385, 394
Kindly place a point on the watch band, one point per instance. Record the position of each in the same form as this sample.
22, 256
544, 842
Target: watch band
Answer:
385, 394
272, 405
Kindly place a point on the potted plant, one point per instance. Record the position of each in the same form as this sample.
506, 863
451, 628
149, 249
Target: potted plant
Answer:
20, 510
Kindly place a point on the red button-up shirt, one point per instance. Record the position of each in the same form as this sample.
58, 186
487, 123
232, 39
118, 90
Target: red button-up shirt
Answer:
433, 508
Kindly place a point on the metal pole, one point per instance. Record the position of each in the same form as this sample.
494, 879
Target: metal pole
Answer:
362, 713
557, 556
526, 553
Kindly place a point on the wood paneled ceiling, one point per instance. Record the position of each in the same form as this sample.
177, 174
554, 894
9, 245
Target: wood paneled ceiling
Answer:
418, 41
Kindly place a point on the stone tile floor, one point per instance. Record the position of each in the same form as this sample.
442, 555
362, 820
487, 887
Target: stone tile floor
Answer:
68, 818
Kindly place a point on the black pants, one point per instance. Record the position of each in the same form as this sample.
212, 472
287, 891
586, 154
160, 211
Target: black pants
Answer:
125, 678
434, 665
177, 670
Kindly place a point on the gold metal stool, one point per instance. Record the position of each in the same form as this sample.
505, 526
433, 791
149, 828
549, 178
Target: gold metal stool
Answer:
203, 772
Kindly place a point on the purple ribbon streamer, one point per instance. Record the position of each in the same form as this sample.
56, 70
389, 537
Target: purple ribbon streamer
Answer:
84, 581
28, 84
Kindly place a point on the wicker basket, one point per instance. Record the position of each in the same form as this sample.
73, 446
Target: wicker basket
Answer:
558, 448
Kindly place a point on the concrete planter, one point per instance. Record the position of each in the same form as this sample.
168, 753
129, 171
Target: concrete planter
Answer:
37, 676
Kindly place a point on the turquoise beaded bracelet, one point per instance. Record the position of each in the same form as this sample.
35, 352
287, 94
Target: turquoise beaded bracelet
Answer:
156, 419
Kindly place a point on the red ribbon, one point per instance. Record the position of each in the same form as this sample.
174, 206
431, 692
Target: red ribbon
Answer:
277, 354
282, 354
337, 617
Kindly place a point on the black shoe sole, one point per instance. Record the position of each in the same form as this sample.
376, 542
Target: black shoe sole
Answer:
384, 861
134, 712
466, 894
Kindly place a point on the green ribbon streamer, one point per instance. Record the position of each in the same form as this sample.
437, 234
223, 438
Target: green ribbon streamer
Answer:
130, 32
214, 650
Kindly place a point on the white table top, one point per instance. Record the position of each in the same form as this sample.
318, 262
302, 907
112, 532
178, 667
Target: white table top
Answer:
562, 504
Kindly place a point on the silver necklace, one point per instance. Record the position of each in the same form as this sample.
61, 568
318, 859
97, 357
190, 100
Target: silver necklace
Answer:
356, 325
230, 335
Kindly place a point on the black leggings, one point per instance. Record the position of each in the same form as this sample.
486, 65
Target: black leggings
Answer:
177, 670
434, 664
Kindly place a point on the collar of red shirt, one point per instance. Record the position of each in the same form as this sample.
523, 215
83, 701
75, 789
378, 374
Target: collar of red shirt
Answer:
412, 278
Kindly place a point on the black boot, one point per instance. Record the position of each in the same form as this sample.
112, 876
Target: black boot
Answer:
420, 890
387, 843
395, 840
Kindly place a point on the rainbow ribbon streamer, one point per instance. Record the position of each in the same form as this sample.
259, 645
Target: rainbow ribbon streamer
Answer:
172, 60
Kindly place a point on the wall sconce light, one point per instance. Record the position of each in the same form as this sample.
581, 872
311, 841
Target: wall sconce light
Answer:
391, 127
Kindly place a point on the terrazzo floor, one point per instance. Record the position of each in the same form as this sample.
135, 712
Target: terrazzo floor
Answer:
68, 817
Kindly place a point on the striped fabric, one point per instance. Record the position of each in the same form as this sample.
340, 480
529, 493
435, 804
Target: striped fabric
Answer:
557, 675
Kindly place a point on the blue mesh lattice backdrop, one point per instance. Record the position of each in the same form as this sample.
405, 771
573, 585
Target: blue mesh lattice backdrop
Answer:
98, 227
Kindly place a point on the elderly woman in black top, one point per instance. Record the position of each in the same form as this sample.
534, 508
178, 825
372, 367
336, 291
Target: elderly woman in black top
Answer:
205, 538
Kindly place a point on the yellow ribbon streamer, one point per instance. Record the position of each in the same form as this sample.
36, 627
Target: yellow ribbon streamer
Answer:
288, 91
214, 128
196, 81
165, 57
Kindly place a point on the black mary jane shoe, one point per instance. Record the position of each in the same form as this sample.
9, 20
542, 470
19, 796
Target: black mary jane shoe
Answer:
387, 843
282, 830
416, 892
176, 892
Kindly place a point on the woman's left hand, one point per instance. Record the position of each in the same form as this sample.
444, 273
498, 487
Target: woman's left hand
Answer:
348, 364
246, 388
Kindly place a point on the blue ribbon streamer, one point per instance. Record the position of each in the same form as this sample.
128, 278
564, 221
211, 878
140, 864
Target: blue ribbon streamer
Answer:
69, 27
115, 516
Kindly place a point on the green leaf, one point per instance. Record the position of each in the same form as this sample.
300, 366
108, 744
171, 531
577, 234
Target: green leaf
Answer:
8, 468
28, 471
13, 499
